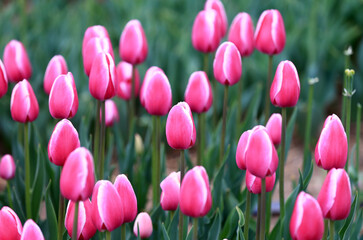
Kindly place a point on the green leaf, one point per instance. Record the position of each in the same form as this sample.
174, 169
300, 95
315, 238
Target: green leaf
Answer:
165, 234
241, 217
37, 187
51, 216
190, 234
173, 227
230, 224
348, 221
216, 227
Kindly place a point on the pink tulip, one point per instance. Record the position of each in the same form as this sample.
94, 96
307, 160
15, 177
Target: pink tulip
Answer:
241, 150
111, 113
63, 98
107, 209
3, 80
93, 47
227, 65
198, 93
331, 151
285, 88
274, 126
241, 34
143, 225
31, 231
77, 177
56, 66
155, 92
206, 32
270, 34
195, 194
180, 128
217, 5
170, 188
10, 225
102, 79
127, 196
23, 104
254, 183
307, 219
133, 43
124, 80
335, 195
92, 32
16, 62
7, 167
85, 227
63, 141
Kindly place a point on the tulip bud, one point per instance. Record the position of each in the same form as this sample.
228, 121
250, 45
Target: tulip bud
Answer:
63, 141
10, 225
23, 104
273, 126
31, 231
127, 196
143, 225
77, 177
102, 77
307, 219
170, 188
63, 98
195, 195
56, 66
92, 32
198, 93
7, 167
253, 183
270, 34
332, 148
217, 5
133, 43
335, 195
124, 80
107, 209
155, 92
16, 62
3, 80
111, 113
227, 65
206, 32
241, 150
85, 227
241, 34
180, 128
285, 88
93, 47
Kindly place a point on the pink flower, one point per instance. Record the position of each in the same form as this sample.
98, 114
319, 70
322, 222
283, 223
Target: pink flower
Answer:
92, 32
56, 66
124, 80
31, 231
170, 188
111, 113
7, 167
241, 150
3, 80
143, 225
241, 34
10, 225
127, 196
217, 5
93, 47
274, 126
254, 184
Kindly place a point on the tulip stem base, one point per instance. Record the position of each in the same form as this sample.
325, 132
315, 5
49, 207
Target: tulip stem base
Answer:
108, 235
123, 231
267, 94
10, 199
258, 225
325, 236
195, 229
331, 231
247, 214
201, 137
96, 139
60, 215
75, 221
27, 171
181, 217
282, 167
156, 160
263, 208
224, 121
102, 141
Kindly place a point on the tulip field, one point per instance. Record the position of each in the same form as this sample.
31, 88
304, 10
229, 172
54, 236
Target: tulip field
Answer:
216, 119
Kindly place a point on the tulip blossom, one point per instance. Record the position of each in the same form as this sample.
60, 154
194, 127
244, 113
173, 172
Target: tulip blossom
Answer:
23, 104
3, 80
92, 32
93, 47
63, 97
241, 34
270, 34
143, 225
198, 93
195, 194
111, 113
241, 150
331, 151
285, 88
127, 196
31, 231
227, 65
56, 66
253, 183
124, 80
217, 5
77, 177
7, 167
307, 219
170, 188
10, 225
63, 141
335, 195
85, 227
273, 126
16, 62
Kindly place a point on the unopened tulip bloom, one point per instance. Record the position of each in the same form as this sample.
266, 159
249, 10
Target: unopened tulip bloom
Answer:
241, 150
107, 209
195, 194
23, 104
92, 32
335, 195
273, 126
3, 80
124, 80
93, 47
227, 65
270, 34
7, 167
85, 228
56, 66
307, 219
285, 88
111, 113
63, 141
63, 97
16, 62
143, 225
170, 188
253, 183
31, 231
127, 196
10, 225
198, 93
241, 34
331, 151
77, 177
217, 5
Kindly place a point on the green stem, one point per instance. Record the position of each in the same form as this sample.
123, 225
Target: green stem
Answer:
258, 225
239, 105
247, 214
96, 140
195, 228
181, 217
27, 172
60, 215
171, 215
132, 103
357, 135
282, 166
102, 141
325, 236
268, 211
268, 83
123, 231
108, 235
199, 136
225, 102
75, 221
308, 128
331, 229
10, 199
202, 138
348, 110
344, 104
156, 160
263, 208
